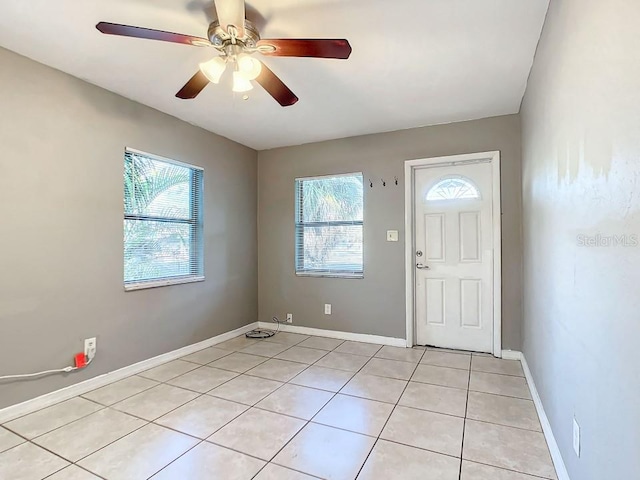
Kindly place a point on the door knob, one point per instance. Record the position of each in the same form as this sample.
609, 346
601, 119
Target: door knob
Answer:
420, 266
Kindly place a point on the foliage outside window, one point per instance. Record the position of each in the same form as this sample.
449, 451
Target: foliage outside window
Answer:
329, 225
162, 221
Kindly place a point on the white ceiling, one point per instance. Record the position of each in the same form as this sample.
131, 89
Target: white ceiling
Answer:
414, 62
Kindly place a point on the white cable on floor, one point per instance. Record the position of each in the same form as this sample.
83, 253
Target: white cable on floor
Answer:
44, 372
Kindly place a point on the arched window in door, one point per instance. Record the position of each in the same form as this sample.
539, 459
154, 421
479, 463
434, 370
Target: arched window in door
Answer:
453, 188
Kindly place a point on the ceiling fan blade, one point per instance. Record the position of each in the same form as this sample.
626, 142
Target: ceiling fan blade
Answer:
148, 33
231, 12
299, 47
275, 87
193, 87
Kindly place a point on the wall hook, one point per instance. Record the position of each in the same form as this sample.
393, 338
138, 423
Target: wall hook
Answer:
396, 179
370, 183
384, 184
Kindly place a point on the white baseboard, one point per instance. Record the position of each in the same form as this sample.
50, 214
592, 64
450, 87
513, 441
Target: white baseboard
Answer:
48, 399
355, 337
511, 355
556, 456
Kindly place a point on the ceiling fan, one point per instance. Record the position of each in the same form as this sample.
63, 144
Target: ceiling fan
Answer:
236, 39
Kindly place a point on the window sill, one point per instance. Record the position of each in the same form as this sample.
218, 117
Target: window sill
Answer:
161, 283
330, 275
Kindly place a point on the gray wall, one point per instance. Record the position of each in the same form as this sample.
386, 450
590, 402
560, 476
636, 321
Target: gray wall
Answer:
581, 171
376, 304
61, 211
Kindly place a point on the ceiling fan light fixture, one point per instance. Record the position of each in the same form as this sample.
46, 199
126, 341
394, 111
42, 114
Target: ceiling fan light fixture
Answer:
248, 66
241, 83
213, 69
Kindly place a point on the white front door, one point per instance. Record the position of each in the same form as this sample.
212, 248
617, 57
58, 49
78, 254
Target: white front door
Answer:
453, 208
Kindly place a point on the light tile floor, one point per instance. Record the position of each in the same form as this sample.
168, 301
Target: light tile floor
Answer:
292, 407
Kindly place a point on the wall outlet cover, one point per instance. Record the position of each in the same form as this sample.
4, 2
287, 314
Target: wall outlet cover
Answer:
576, 437
392, 235
90, 347
289, 317
327, 309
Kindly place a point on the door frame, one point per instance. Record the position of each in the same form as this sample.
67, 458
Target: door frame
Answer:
410, 167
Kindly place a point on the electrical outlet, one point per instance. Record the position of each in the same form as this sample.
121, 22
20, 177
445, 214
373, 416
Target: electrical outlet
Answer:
576, 437
327, 309
289, 317
90, 347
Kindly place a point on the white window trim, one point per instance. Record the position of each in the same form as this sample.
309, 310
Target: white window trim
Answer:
346, 275
328, 273
164, 282
331, 175
153, 156
128, 287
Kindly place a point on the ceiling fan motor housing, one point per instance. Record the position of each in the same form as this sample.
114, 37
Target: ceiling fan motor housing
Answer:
220, 38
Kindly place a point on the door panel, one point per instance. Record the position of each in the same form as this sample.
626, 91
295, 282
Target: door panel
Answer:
454, 256
471, 302
435, 300
470, 241
434, 230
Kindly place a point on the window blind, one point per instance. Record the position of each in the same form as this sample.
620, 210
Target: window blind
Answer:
329, 225
162, 219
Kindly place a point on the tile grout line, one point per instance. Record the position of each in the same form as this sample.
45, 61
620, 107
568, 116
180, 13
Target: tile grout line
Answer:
125, 398
320, 409
499, 374
7, 427
307, 422
390, 414
234, 418
175, 459
72, 464
533, 475
372, 400
342, 393
464, 421
228, 352
37, 445
227, 423
30, 441
503, 425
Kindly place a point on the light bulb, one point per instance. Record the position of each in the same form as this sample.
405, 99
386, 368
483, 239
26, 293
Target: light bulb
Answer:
241, 83
249, 66
213, 69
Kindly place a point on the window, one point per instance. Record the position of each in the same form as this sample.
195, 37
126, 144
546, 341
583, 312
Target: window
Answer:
329, 212
162, 221
453, 188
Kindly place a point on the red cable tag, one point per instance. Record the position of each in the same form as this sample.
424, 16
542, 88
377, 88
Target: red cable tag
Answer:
81, 360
